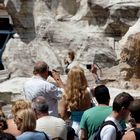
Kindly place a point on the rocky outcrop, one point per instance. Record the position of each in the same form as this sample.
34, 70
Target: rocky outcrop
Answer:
130, 44
21, 13
11, 90
132, 30
42, 37
131, 54
48, 29
115, 16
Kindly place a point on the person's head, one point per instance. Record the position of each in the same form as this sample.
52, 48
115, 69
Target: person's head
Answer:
6, 136
102, 95
19, 105
121, 104
25, 120
76, 79
41, 68
40, 106
71, 55
76, 86
135, 110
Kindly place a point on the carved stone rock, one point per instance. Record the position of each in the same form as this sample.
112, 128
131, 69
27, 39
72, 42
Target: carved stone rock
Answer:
47, 29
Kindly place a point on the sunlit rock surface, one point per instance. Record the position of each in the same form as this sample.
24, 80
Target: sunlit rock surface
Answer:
47, 29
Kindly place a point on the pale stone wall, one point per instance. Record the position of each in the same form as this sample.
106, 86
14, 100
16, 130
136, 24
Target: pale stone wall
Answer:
48, 29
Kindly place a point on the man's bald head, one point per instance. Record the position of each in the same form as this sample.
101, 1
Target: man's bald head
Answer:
40, 104
40, 67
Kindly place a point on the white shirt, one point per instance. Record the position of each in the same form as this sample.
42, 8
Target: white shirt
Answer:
108, 132
37, 86
52, 126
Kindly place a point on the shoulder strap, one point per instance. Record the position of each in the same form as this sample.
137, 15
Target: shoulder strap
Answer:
46, 136
109, 123
119, 134
137, 133
96, 134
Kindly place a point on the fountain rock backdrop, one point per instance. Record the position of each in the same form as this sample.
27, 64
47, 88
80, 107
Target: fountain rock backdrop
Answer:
47, 29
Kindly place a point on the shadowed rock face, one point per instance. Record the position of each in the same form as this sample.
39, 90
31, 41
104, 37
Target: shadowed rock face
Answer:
116, 29
98, 15
21, 13
47, 29
1, 1
70, 6
131, 54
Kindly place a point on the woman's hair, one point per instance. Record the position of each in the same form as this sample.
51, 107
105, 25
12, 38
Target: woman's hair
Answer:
27, 118
122, 100
135, 110
76, 88
6, 136
19, 105
3, 121
2, 114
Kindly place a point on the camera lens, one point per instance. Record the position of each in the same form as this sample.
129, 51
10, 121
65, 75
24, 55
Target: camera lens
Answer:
88, 66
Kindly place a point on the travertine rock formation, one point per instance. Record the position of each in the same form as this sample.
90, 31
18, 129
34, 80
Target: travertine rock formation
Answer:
131, 55
132, 30
48, 28
21, 12
130, 45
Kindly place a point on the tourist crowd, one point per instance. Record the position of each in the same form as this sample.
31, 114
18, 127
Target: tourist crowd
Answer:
68, 111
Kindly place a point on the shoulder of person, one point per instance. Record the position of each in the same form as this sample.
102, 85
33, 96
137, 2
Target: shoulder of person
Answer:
50, 85
89, 112
129, 136
57, 120
107, 126
108, 131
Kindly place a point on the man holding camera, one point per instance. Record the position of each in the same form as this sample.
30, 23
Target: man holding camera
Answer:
39, 86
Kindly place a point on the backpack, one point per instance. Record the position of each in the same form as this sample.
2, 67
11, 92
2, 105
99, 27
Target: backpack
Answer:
96, 134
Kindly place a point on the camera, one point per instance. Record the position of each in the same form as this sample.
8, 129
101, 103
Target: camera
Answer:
50, 73
88, 66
